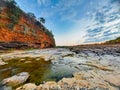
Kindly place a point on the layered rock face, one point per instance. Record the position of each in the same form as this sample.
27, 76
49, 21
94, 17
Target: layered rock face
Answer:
18, 29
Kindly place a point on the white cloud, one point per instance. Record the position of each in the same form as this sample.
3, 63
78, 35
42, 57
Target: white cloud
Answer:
109, 28
75, 35
41, 2
65, 10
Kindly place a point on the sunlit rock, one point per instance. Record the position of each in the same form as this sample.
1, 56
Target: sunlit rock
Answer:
2, 62
113, 79
16, 79
29, 86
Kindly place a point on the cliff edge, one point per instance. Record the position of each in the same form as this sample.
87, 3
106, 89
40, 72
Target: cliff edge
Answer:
21, 30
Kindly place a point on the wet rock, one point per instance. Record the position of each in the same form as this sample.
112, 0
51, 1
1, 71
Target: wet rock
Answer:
16, 45
2, 48
16, 79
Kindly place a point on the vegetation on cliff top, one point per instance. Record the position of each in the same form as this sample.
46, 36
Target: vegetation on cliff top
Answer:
115, 41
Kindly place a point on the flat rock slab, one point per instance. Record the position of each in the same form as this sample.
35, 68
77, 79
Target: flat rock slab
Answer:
16, 79
29, 86
113, 79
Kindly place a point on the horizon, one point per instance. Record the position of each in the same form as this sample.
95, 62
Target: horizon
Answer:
75, 22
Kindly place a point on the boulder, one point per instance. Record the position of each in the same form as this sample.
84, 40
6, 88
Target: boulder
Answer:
16, 79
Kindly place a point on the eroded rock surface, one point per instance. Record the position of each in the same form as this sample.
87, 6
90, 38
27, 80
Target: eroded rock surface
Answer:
93, 71
81, 80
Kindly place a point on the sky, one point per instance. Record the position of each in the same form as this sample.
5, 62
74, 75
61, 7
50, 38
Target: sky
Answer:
76, 22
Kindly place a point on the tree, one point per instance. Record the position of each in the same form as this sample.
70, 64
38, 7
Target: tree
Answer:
11, 3
32, 15
42, 20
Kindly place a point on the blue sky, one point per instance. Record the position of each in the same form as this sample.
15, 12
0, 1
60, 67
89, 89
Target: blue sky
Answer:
77, 21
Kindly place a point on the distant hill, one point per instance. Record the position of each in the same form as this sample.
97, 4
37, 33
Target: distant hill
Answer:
115, 41
19, 29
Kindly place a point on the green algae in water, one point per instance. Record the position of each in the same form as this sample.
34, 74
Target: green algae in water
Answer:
39, 69
36, 68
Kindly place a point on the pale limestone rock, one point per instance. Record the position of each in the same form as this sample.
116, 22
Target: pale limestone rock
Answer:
113, 79
27, 61
78, 75
50, 85
82, 83
2, 62
16, 79
29, 86
38, 59
23, 59
69, 81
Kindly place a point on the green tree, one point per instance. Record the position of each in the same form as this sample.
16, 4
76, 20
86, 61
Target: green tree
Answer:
42, 20
11, 3
32, 15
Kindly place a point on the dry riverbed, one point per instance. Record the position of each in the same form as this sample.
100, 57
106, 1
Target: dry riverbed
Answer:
86, 68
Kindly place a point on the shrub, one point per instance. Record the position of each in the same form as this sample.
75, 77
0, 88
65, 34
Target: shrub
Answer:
13, 19
31, 15
2, 25
13, 9
10, 26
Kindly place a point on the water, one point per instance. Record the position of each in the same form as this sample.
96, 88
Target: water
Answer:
39, 69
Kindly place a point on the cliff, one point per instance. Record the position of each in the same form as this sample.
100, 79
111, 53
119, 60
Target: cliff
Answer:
19, 30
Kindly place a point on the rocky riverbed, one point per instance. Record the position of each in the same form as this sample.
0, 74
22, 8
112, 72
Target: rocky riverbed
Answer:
75, 68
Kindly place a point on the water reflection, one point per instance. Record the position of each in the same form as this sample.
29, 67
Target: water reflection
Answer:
39, 69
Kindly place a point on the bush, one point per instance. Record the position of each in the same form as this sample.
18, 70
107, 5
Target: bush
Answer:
10, 26
13, 19
31, 15
13, 9
115, 41
13, 12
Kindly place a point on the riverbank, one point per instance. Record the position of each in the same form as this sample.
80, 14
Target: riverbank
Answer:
80, 67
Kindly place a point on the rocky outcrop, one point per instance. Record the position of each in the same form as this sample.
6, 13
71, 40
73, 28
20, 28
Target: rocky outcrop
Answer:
18, 29
81, 81
91, 71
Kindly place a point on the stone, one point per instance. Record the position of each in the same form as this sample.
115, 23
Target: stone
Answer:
27, 61
78, 75
50, 85
6, 88
16, 79
113, 79
2, 62
28, 86
22, 59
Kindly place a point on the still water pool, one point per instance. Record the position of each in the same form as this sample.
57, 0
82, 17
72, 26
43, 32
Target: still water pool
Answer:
39, 69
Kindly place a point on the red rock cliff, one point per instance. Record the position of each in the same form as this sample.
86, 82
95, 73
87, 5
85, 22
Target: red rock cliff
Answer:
19, 27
